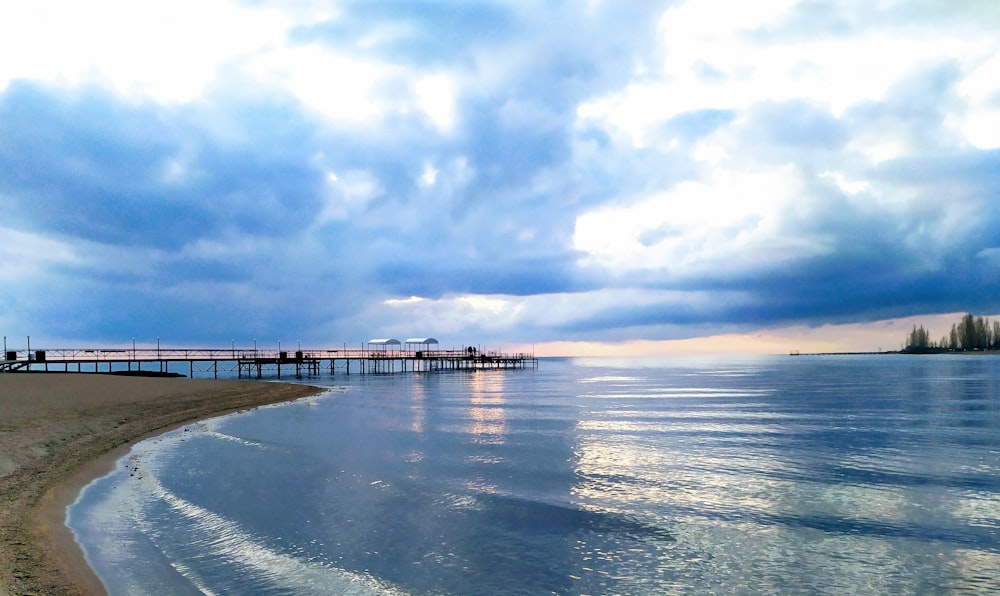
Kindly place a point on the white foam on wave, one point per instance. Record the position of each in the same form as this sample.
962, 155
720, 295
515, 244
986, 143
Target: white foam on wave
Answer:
225, 540
460, 502
680, 393
610, 379
107, 520
233, 439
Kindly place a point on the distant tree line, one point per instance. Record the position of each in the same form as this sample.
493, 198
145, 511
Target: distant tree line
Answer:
969, 334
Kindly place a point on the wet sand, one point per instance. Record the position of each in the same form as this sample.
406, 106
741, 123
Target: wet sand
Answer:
59, 431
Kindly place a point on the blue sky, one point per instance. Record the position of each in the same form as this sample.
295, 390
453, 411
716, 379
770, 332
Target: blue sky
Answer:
606, 175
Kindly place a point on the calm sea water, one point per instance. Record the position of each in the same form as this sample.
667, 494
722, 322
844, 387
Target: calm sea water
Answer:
728, 475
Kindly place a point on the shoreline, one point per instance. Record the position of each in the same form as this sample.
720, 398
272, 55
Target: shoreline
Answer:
59, 432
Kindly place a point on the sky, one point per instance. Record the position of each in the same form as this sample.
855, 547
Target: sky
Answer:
579, 176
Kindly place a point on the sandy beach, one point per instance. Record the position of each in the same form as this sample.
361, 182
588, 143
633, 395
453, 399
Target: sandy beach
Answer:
58, 431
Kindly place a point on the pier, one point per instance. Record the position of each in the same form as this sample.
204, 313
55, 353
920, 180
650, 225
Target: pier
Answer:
380, 357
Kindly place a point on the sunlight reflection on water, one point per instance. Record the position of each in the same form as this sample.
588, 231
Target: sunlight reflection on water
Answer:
794, 505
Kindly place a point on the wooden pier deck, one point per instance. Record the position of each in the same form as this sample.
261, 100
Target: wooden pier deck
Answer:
253, 363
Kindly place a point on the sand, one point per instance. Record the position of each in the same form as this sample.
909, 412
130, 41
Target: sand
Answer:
58, 431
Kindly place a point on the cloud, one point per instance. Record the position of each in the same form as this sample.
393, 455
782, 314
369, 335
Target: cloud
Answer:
528, 172
420, 34
82, 162
167, 52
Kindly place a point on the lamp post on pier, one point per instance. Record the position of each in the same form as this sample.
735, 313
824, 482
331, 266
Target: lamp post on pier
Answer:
133, 348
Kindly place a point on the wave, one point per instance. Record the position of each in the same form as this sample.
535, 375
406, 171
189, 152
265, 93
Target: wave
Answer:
143, 538
546, 518
220, 543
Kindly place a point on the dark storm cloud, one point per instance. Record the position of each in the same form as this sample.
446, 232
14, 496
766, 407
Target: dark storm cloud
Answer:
81, 163
515, 277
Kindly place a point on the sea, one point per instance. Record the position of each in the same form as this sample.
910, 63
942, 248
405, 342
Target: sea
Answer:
875, 474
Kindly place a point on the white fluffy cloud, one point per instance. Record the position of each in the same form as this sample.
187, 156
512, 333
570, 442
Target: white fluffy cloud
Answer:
167, 51
729, 220
717, 55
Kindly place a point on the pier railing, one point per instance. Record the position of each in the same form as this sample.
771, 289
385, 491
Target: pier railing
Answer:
255, 362
149, 354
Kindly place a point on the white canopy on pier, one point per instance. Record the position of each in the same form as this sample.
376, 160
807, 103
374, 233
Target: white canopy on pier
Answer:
383, 343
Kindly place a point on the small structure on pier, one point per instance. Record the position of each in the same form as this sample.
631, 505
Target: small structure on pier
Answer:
383, 345
421, 345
